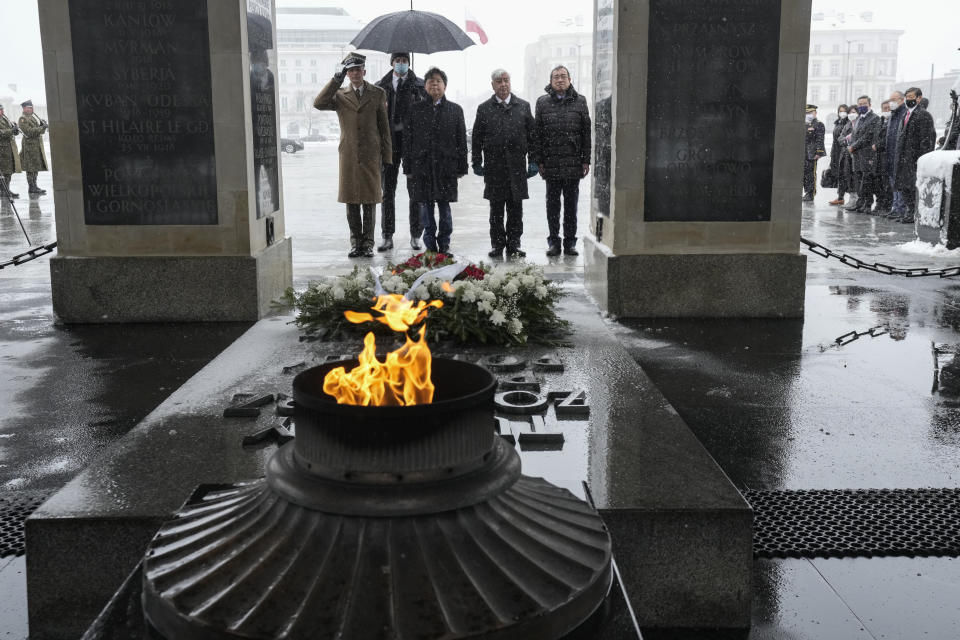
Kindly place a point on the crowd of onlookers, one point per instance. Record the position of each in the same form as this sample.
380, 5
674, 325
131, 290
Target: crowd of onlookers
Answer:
873, 157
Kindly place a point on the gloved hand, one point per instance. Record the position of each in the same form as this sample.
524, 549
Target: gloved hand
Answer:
339, 74
478, 169
532, 169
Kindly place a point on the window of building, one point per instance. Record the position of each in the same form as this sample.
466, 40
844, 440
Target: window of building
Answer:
297, 62
313, 78
859, 68
283, 103
883, 47
816, 69
559, 51
815, 95
313, 63
833, 94
283, 77
816, 49
299, 78
893, 67
881, 67
836, 48
283, 62
860, 48
835, 68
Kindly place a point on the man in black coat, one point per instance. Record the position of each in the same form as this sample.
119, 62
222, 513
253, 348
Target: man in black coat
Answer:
813, 151
503, 135
563, 135
864, 152
917, 136
897, 111
403, 88
884, 192
434, 158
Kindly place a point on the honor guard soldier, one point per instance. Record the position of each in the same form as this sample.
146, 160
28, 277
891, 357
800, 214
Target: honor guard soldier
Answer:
32, 157
9, 156
813, 151
365, 146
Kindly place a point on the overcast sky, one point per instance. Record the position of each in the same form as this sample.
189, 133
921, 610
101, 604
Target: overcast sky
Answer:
931, 36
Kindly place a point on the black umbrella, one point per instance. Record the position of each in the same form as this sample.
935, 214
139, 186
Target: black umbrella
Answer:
414, 31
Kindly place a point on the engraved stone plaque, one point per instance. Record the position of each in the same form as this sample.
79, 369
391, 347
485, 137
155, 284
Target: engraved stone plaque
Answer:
263, 107
144, 109
711, 110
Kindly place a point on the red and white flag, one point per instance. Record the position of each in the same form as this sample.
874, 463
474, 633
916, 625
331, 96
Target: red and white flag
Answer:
474, 26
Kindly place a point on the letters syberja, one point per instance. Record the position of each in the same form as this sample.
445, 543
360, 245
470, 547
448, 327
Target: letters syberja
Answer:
144, 111
711, 111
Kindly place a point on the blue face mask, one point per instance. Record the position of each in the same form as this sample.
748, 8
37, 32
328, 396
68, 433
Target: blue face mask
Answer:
863, 110
401, 68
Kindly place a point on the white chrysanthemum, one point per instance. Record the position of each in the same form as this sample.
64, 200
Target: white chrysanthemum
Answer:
485, 306
338, 292
419, 272
488, 296
541, 292
323, 288
511, 289
515, 326
497, 317
421, 293
469, 294
528, 280
493, 282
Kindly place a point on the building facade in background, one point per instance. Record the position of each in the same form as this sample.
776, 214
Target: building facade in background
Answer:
312, 39
570, 44
851, 54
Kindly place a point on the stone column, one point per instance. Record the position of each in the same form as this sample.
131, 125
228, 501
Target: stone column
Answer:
698, 158
163, 130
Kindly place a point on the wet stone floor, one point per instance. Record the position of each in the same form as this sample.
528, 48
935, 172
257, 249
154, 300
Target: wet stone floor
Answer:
778, 404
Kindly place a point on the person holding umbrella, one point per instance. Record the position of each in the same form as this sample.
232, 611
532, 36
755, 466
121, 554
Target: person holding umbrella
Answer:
434, 158
365, 146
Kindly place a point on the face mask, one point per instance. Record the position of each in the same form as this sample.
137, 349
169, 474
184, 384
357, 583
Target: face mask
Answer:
911, 104
401, 68
884, 114
809, 117
853, 115
843, 115
863, 110
894, 106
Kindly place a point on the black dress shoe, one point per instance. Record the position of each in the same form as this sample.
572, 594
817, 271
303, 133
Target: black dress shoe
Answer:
554, 250
516, 253
367, 252
906, 220
808, 198
496, 253
354, 253
415, 243
570, 251
387, 244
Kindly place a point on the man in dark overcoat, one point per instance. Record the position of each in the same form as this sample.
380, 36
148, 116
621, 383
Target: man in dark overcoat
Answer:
917, 136
365, 146
33, 159
863, 149
813, 150
403, 88
563, 135
9, 156
503, 135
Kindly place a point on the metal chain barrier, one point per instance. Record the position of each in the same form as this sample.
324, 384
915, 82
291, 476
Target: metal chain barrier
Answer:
27, 256
878, 267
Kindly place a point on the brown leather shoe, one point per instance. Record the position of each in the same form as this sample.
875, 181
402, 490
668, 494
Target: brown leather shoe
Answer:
837, 201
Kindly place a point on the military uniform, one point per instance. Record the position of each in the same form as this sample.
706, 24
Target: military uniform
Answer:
32, 157
9, 156
813, 151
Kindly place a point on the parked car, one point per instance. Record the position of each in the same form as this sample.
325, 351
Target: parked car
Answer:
290, 145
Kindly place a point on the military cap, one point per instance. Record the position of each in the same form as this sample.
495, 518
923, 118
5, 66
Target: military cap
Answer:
26, 103
399, 54
811, 107
354, 60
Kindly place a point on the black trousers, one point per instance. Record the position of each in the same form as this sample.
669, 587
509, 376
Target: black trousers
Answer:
884, 192
390, 174
868, 188
809, 177
909, 202
570, 189
361, 227
506, 235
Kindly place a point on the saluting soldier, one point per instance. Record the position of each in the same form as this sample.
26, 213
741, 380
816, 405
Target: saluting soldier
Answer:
813, 151
32, 157
365, 146
9, 156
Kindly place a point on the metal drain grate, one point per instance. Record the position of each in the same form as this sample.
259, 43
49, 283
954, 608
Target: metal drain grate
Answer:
15, 507
868, 522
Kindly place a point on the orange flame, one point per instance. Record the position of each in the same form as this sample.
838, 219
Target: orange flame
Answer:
404, 377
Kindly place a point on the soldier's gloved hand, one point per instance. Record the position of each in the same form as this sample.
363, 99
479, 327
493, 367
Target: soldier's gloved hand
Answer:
339, 74
532, 169
478, 169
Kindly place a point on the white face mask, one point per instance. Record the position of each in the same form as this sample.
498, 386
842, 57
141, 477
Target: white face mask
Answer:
843, 115
853, 115
809, 117
894, 106
884, 114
